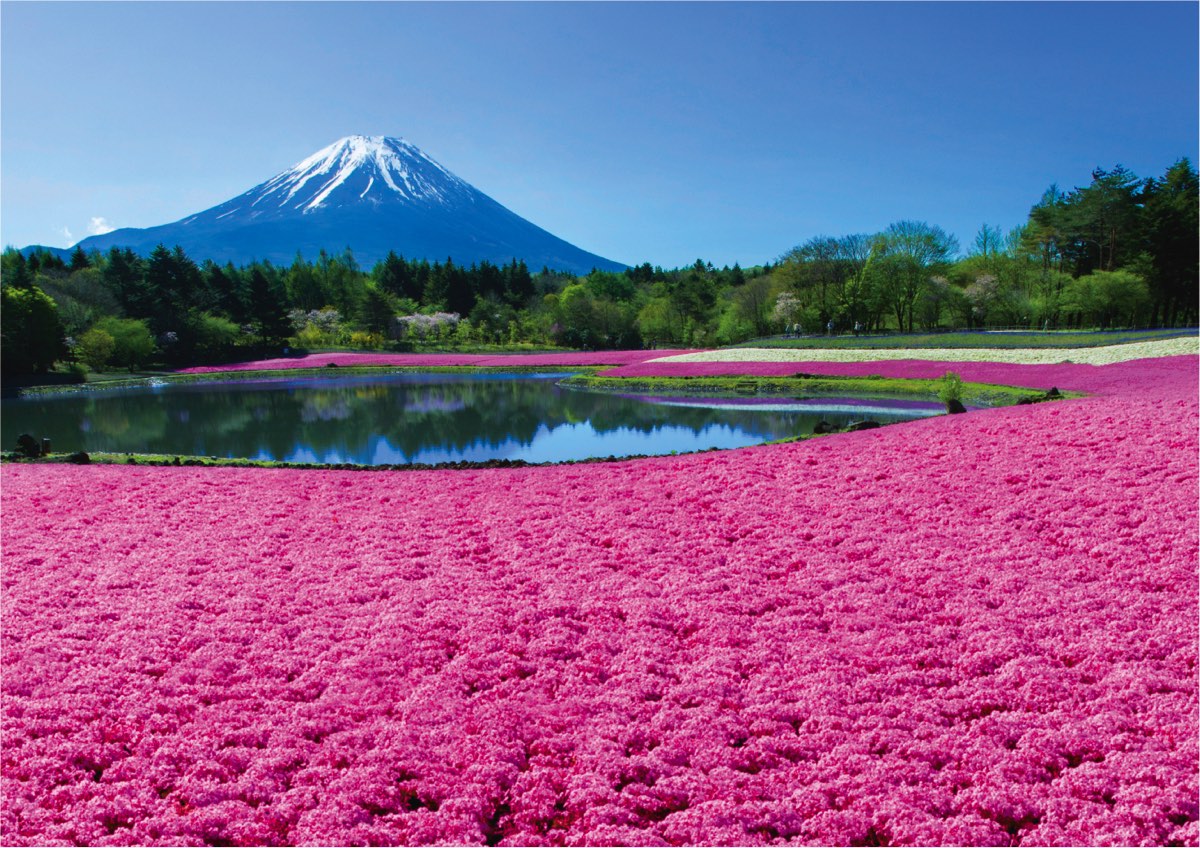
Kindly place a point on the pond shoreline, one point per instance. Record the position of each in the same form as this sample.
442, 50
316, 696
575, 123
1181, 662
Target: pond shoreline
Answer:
799, 386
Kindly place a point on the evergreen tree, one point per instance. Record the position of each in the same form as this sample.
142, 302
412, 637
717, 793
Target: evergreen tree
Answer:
1173, 237
436, 287
518, 284
397, 278
304, 288
460, 297
268, 307
378, 310
175, 284
16, 271
488, 280
79, 260
228, 292
124, 274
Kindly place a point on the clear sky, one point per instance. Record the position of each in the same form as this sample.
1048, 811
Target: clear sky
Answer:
659, 132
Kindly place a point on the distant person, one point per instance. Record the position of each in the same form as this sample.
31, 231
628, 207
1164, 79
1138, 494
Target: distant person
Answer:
857, 327
829, 327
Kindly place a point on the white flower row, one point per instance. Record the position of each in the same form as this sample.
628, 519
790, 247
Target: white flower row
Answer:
1019, 356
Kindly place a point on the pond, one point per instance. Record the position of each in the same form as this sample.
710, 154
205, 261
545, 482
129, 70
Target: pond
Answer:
417, 418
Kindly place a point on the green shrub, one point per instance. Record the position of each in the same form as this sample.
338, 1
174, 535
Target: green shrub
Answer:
950, 389
133, 343
96, 348
311, 337
366, 341
215, 336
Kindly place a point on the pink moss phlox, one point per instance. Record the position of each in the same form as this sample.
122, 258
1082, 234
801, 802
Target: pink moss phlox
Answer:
437, 360
976, 629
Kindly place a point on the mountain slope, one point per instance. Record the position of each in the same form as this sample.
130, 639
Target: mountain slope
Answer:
373, 194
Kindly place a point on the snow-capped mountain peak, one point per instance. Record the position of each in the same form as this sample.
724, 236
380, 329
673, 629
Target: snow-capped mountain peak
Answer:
364, 167
374, 194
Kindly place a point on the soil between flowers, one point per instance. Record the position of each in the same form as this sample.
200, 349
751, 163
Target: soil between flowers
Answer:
974, 629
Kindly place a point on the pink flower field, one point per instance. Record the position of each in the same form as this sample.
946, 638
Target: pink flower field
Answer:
976, 629
437, 360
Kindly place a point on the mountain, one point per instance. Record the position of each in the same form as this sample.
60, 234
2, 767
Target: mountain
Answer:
373, 194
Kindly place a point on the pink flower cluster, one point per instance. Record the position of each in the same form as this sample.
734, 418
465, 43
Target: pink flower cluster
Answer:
976, 629
1104, 379
437, 360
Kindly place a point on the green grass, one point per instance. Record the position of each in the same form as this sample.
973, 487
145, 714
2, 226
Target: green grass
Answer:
1005, 340
973, 394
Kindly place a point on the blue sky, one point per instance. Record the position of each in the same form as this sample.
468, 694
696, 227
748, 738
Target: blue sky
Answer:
657, 132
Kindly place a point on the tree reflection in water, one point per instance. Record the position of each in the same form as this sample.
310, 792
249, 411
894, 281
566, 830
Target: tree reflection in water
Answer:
400, 418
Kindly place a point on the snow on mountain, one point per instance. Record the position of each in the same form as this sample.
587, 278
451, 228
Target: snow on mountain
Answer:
402, 169
372, 194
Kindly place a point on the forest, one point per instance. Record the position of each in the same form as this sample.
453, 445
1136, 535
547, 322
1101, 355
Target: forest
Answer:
1119, 252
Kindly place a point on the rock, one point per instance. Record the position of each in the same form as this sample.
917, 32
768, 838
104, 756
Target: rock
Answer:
1053, 394
823, 427
28, 446
331, 365
79, 458
863, 425
955, 407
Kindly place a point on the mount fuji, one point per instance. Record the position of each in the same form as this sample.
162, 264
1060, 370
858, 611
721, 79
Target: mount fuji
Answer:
373, 194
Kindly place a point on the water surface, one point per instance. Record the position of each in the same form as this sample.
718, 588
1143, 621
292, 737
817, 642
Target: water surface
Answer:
417, 418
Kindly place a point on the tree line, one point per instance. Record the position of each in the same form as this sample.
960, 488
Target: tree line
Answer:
1121, 251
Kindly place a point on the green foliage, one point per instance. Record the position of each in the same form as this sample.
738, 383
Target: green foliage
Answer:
216, 337
1107, 299
31, 336
1172, 221
268, 306
311, 337
378, 310
1120, 251
96, 348
15, 270
177, 287
365, 341
133, 343
950, 389
807, 386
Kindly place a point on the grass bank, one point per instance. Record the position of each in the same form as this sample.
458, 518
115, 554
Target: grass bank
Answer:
802, 385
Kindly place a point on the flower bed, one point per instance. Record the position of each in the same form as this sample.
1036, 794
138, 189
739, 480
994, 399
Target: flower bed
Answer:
1106, 355
438, 360
1108, 380
977, 629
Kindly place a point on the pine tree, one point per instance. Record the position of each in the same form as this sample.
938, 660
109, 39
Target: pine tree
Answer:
377, 310
79, 260
268, 308
16, 271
